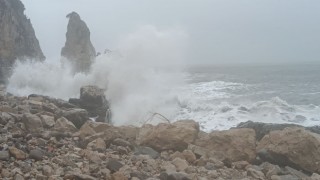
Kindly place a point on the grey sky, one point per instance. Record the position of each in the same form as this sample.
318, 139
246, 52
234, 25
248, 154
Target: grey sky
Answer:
220, 31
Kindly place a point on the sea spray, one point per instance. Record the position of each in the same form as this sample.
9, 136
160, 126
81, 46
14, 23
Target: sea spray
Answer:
139, 80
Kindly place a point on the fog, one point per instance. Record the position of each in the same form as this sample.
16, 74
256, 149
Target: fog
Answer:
219, 31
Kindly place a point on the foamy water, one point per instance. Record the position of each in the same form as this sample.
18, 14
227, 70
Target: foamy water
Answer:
147, 76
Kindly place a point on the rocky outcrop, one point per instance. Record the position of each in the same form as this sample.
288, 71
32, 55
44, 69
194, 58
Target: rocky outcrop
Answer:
231, 145
17, 37
93, 100
78, 50
175, 136
296, 147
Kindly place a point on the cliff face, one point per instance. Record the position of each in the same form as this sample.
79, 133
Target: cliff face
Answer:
17, 37
78, 49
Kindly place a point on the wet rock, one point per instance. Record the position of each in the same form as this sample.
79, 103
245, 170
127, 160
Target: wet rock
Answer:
114, 165
295, 147
36, 154
78, 49
175, 136
64, 125
32, 123
77, 116
17, 153
4, 156
232, 145
263, 129
178, 176
146, 151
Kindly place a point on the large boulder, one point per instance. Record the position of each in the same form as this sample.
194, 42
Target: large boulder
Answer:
78, 49
293, 146
175, 136
17, 37
32, 123
231, 145
262, 129
93, 100
77, 116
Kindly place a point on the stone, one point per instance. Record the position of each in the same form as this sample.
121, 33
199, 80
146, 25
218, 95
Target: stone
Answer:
17, 153
79, 176
18, 177
240, 165
146, 151
175, 136
4, 156
118, 176
263, 129
255, 174
64, 125
77, 116
78, 49
296, 173
178, 176
315, 176
284, 177
180, 164
32, 123
17, 37
295, 147
232, 145
47, 121
36, 154
97, 145
122, 142
47, 170
114, 165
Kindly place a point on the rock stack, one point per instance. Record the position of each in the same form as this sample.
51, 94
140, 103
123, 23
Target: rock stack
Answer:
17, 37
78, 50
47, 138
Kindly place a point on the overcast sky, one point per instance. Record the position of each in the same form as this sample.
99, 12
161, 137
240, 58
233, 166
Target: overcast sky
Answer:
220, 31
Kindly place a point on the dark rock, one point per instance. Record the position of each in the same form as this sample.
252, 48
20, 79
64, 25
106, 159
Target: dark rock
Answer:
114, 165
178, 176
4, 155
146, 151
262, 129
77, 116
93, 100
78, 49
36, 154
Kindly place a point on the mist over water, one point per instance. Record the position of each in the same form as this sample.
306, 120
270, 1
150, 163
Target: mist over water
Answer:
140, 77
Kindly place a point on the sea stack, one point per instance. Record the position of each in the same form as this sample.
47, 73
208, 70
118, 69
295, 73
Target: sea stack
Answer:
17, 37
78, 50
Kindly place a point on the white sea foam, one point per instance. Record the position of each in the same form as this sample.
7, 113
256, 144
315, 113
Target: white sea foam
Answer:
138, 83
211, 105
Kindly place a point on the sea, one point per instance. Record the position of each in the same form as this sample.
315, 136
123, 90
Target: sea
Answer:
221, 97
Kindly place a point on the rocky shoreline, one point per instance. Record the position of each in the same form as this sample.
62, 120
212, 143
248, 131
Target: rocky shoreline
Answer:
45, 138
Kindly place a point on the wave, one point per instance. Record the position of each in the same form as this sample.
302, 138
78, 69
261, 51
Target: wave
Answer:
215, 109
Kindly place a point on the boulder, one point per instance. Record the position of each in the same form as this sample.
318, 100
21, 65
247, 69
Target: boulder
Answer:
293, 146
32, 123
231, 145
175, 136
77, 116
78, 50
17, 153
93, 100
64, 125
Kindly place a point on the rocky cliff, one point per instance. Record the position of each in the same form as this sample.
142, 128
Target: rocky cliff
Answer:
78, 49
17, 37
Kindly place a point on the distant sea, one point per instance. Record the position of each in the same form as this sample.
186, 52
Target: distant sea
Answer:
220, 97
